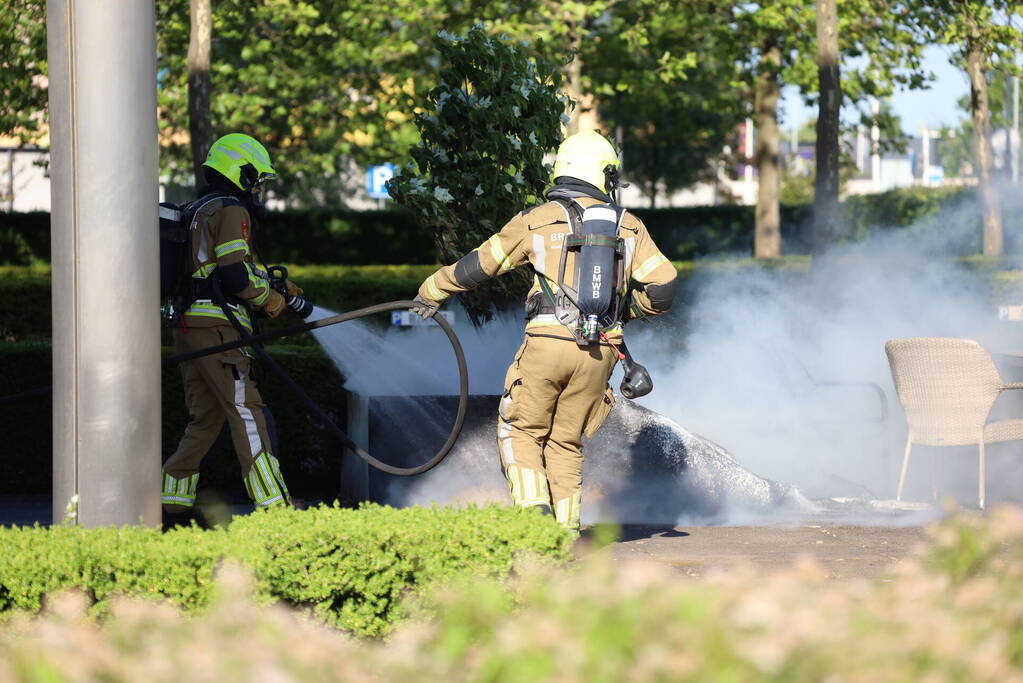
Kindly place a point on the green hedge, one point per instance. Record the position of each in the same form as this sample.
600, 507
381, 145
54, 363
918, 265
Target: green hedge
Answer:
25, 295
692, 232
352, 568
313, 236
325, 236
310, 457
342, 236
24, 238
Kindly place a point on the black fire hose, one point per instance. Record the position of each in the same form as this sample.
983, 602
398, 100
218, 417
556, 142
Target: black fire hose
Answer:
255, 341
316, 411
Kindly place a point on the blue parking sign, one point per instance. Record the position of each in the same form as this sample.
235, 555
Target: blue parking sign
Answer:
376, 180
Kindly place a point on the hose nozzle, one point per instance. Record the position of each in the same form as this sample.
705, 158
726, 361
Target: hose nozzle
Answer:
637, 381
278, 278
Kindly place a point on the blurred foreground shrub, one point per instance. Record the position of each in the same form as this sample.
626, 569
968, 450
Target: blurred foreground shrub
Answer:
950, 614
934, 618
350, 568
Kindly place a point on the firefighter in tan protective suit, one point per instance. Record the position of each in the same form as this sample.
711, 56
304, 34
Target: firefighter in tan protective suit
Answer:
220, 387
556, 390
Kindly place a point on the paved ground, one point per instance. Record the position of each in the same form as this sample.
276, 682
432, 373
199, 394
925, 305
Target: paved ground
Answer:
844, 551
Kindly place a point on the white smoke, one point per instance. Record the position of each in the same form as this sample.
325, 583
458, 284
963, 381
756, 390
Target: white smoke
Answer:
783, 368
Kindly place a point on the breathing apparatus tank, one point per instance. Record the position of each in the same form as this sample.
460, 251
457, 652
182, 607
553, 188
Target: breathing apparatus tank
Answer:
596, 303
593, 305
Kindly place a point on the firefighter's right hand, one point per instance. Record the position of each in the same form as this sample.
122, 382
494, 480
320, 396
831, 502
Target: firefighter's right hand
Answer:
274, 304
423, 308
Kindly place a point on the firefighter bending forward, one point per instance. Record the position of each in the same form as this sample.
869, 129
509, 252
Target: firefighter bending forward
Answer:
556, 390
220, 386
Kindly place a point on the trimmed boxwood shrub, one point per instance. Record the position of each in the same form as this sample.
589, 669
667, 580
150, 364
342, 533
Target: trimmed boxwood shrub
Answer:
25, 296
335, 235
352, 568
310, 236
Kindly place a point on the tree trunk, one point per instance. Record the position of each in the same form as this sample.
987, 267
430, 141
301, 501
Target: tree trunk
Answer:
980, 110
825, 198
574, 75
199, 85
581, 110
767, 235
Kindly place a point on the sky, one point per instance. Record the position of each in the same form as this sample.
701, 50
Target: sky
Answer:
933, 107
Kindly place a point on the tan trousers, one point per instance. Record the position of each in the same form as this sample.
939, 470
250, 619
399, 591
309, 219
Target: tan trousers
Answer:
220, 387
554, 392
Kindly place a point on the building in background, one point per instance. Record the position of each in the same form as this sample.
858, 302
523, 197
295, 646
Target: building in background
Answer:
24, 179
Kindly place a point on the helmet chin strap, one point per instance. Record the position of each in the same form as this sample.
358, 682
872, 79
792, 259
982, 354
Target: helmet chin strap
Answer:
613, 181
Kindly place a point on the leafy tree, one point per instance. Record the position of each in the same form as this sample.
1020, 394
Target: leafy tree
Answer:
985, 40
325, 85
23, 98
571, 33
494, 114
782, 49
665, 81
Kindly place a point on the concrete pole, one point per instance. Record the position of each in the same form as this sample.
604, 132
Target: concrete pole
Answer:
106, 329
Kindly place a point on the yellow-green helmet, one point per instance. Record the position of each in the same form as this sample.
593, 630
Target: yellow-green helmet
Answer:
242, 159
584, 156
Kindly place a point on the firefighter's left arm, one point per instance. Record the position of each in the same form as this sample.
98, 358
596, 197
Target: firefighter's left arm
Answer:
653, 275
238, 276
501, 253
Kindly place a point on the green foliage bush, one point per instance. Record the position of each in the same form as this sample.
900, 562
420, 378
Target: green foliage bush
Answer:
354, 567
495, 113
310, 457
351, 568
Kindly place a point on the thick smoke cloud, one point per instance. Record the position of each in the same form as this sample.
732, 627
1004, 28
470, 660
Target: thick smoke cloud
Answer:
783, 368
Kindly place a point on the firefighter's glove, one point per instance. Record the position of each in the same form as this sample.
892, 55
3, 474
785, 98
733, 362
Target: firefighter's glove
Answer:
274, 304
293, 289
423, 308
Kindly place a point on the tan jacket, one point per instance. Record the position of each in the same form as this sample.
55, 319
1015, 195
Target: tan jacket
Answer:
221, 236
536, 236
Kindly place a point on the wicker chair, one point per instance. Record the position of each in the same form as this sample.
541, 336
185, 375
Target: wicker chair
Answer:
947, 388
